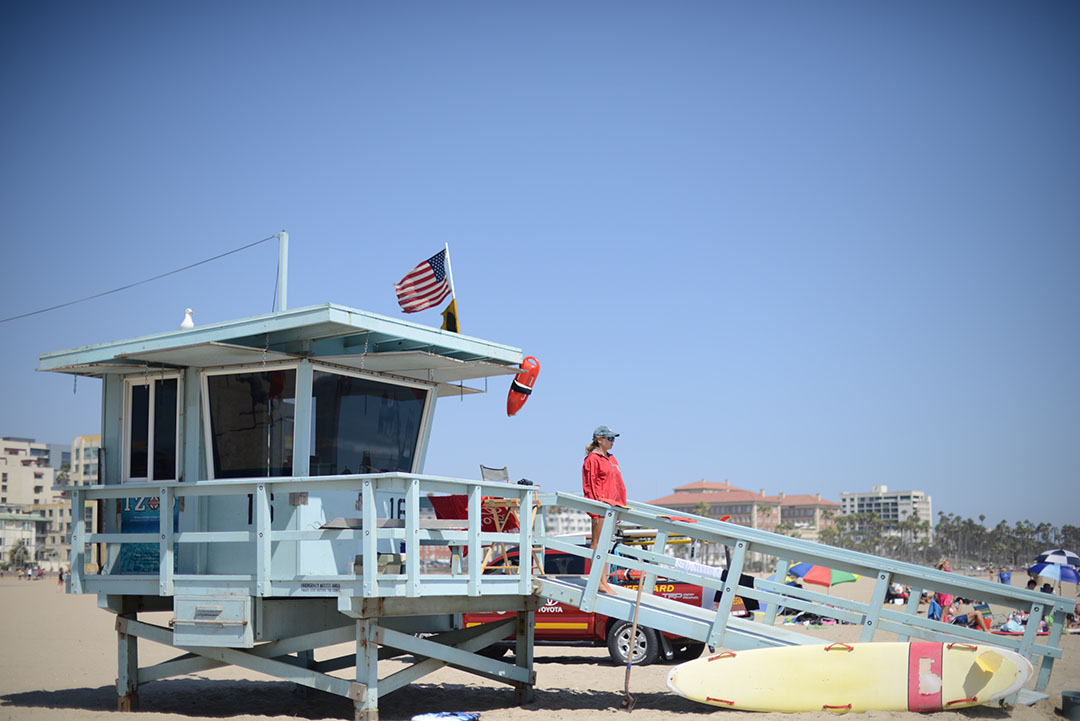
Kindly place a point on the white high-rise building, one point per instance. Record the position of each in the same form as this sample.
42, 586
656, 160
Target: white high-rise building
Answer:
893, 507
559, 521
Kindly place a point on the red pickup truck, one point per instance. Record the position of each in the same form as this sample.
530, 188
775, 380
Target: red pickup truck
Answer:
560, 624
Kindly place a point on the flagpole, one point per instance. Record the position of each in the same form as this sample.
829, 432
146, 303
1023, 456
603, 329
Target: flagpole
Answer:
450, 272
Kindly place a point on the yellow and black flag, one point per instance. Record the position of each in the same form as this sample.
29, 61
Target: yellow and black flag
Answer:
449, 317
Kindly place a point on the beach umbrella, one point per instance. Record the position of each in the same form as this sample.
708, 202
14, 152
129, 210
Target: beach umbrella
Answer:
820, 575
1059, 556
1056, 572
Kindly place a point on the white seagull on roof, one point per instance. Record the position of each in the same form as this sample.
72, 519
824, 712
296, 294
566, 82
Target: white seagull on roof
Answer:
187, 322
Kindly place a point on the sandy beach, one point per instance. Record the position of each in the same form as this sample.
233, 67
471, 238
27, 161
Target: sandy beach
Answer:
59, 663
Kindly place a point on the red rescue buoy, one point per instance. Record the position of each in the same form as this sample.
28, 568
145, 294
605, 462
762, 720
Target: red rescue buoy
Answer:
522, 385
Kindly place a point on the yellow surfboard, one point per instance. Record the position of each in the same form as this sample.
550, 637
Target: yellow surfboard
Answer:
842, 677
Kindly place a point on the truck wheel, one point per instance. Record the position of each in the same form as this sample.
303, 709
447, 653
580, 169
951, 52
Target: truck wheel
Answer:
688, 652
495, 651
646, 648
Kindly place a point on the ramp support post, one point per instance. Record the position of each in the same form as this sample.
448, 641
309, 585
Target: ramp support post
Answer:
649, 581
911, 608
877, 599
598, 558
781, 577
1047, 665
523, 654
723, 610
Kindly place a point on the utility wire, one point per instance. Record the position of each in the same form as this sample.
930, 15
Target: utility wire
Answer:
132, 285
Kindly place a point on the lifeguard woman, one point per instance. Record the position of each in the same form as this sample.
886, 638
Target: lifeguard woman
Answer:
601, 480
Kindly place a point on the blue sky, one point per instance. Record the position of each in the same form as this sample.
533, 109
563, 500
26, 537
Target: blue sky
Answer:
800, 246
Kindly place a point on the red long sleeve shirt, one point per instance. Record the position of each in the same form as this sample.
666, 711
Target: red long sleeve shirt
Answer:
601, 479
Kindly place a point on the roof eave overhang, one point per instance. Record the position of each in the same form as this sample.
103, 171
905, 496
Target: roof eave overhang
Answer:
292, 329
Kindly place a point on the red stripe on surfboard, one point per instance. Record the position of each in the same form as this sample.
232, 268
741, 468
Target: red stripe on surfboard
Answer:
918, 650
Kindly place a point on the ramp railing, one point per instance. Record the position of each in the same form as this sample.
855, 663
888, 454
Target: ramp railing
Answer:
874, 615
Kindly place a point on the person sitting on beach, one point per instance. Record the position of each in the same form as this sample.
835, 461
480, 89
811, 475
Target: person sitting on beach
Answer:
970, 618
1014, 623
896, 593
933, 611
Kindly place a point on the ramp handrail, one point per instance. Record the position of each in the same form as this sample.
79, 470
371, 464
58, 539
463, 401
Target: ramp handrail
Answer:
872, 616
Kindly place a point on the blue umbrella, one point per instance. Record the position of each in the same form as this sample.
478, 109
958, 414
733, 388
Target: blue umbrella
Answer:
1056, 572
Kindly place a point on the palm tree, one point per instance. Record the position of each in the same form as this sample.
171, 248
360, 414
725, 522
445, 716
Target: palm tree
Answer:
19, 555
787, 529
1070, 537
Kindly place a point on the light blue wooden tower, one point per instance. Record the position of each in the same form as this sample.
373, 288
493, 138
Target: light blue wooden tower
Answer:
253, 472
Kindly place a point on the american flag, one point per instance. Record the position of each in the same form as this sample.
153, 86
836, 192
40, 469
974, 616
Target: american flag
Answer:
424, 286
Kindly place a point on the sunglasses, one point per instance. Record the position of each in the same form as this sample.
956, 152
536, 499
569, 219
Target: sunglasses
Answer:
611, 438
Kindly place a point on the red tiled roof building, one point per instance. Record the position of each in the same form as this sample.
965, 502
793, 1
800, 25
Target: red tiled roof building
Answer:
804, 513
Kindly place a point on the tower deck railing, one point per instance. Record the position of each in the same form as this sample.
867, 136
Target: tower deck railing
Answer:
262, 538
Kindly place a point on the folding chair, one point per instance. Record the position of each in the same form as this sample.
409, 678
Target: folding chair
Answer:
494, 474
503, 515
983, 609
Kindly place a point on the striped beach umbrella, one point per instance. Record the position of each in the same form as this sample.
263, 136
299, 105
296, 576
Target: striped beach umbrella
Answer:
821, 575
1056, 571
1059, 556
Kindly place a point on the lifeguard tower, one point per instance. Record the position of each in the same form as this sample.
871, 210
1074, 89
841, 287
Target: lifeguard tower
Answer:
263, 481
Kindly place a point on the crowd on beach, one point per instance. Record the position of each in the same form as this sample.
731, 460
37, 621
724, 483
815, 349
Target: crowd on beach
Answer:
976, 614
35, 574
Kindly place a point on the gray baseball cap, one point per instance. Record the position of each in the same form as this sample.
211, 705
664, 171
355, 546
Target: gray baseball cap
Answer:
604, 432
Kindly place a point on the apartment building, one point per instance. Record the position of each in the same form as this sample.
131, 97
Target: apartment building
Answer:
85, 456
33, 511
59, 457
26, 481
26, 478
17, 529
84, 460
893, 507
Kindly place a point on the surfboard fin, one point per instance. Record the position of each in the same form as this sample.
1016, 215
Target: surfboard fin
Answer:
989, 661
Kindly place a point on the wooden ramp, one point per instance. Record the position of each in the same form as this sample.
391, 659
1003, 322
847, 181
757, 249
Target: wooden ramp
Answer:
718, 628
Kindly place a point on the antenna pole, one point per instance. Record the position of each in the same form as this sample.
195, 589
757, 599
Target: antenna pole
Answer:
282, 269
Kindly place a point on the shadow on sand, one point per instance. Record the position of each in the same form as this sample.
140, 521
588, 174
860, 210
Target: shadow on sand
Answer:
213, 698
225, 698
